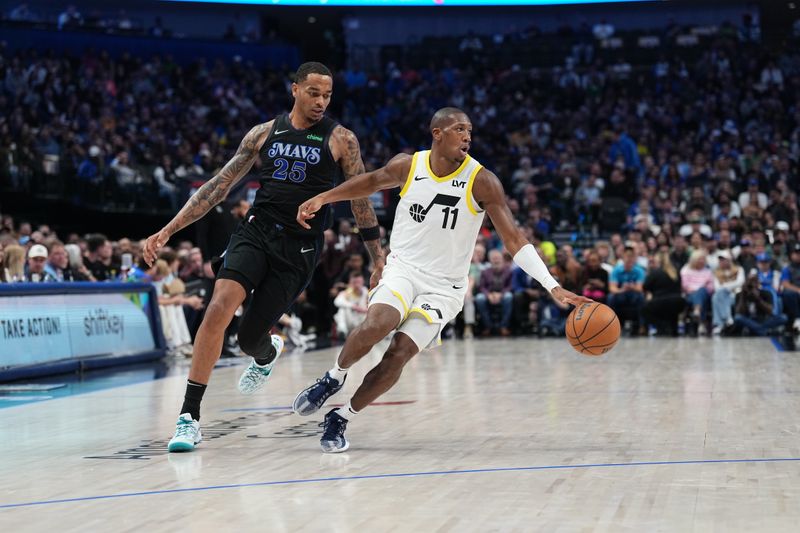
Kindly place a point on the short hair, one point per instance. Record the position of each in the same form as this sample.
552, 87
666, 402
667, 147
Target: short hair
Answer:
444, 115
95, 241
168, 255
311, 67
629, 249
355, 274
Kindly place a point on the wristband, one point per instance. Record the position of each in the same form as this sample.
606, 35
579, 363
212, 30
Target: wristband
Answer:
528, 260
370, 234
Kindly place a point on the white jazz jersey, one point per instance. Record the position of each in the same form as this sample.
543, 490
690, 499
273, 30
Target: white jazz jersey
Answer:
437, 220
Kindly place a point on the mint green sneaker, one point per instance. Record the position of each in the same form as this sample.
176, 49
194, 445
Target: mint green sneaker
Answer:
254, 376
187, 435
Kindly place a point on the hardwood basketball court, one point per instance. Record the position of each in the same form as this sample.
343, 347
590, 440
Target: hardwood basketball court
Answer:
485, 435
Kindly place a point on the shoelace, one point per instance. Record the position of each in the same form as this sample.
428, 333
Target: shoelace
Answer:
334, 430
320, 393
254, 373
185, 429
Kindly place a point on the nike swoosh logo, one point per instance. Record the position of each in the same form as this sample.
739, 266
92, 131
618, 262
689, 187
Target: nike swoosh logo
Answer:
418, 178
458, 287
304, 251
279, 132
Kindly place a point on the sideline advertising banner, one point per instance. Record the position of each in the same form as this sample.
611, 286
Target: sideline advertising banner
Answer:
40, 328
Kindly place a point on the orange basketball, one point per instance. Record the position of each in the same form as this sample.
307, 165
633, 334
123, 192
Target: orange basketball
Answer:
592, 328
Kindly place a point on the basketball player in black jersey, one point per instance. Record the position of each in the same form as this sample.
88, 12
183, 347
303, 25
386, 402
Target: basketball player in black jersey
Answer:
303, 153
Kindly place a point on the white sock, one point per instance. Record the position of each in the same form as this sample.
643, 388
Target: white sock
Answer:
338, 373
347, 412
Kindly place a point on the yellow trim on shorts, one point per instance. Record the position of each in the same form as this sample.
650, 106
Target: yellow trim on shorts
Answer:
423, 312
452, 175
471, 181
402, 301
410, 174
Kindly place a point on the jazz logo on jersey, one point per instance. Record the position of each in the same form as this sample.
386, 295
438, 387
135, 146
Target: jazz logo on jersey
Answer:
418, 212
309, 154
427, 307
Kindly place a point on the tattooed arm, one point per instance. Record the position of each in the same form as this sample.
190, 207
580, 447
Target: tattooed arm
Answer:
349, 152
213, 191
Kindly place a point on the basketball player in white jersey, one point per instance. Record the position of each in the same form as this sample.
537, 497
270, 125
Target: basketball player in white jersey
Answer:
445, 194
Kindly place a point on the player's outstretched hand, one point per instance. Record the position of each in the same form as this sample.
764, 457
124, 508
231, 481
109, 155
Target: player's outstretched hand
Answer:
152, 245
307, 209
565, 297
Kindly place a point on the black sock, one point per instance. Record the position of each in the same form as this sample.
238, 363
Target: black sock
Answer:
192, 399
267, 359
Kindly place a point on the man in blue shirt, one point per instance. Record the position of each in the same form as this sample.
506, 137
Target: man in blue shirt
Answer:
626, 147
625, 287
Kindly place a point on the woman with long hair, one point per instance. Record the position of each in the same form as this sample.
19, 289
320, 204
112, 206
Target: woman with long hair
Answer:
697, 282
13, 263
664, 300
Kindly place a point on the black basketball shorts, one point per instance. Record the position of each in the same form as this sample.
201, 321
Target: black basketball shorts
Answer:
271, 264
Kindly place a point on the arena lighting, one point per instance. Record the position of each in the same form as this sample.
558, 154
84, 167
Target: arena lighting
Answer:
401, 3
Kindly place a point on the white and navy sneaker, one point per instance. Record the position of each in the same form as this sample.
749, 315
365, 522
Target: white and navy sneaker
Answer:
254, 376
187, 435
314, 397
332, 440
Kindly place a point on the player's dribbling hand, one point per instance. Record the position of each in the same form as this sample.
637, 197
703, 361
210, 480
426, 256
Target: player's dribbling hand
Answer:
152, 245
565, 297
307, 209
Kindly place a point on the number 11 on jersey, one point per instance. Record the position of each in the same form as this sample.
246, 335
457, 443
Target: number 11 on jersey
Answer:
447, 211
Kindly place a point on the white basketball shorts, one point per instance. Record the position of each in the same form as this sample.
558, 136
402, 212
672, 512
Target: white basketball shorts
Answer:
425, 303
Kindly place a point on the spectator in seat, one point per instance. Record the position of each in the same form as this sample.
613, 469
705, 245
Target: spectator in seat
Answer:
756, 312
746, 257
626, 290
164, 175
594, 279
98, 257
769, 278
697, 282
680, 252
90, 170
76, 263
351, 304
664, 300
37, 259
567, 269
494, 292
355, 263
13, 264
752, 197
58, 264
125, 176
728, 281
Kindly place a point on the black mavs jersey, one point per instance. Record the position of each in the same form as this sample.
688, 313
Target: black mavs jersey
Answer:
296, 165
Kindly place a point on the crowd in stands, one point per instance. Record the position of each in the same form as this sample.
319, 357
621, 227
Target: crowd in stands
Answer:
667, 190
116, 21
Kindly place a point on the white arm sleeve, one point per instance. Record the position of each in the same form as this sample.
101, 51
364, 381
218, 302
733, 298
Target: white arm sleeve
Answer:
528, 260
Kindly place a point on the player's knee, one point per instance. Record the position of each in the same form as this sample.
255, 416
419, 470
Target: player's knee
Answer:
374, 330
218, 314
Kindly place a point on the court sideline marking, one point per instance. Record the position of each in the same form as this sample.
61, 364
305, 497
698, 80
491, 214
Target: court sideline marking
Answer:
397, 475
